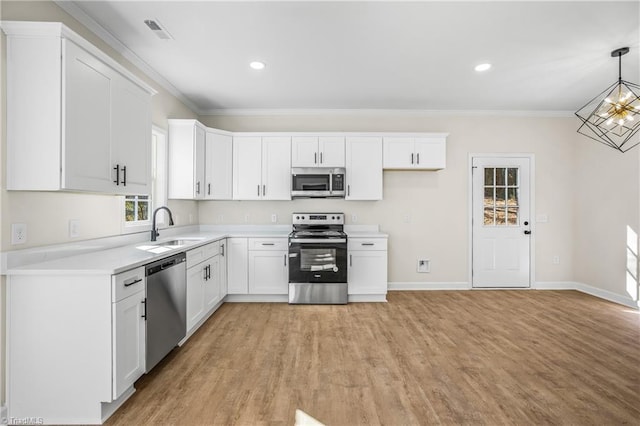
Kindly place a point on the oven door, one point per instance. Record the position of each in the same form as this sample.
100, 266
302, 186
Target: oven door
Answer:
317, 261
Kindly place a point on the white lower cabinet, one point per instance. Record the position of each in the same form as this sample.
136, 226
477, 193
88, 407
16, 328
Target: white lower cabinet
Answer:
367, 269
237, 266
268, 272
204, 283
128, 341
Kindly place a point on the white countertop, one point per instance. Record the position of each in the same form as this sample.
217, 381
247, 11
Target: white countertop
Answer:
113, 260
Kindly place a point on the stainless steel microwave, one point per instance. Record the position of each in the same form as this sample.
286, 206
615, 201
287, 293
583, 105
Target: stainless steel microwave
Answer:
317, 182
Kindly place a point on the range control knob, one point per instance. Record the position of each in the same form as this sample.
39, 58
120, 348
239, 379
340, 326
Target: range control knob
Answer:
297, 217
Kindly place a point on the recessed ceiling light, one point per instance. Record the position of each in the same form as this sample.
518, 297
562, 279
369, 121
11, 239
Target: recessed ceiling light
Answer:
482, 67
257, 65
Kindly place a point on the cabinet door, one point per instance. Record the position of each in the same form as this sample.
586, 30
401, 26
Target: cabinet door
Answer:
218, 170
367, 272
331, 151
195, 295
399, 153
304, 151
199, 159
128, 342
212, 284
276, 168
86, 130
131, 140
431, 153
223, 269
247, 168
237, 266
364, 168
268, 272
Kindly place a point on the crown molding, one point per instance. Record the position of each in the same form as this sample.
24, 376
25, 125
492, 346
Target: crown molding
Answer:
76, 12
383, 112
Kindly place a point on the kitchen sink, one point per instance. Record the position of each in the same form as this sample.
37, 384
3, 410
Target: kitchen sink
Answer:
178, 243
164, 246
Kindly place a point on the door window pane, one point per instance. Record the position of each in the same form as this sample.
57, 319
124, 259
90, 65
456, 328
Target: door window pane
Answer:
317, 259
501, 196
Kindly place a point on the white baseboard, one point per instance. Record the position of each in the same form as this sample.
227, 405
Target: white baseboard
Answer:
257, 298
452, 285
367, 298
540, 285
607, 295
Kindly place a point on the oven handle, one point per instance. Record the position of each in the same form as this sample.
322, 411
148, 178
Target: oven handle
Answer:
318, 240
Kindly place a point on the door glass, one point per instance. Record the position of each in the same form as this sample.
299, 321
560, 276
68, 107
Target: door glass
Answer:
501, 194
317, 259
311, 182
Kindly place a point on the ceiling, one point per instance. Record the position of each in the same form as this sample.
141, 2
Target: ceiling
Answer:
546, 56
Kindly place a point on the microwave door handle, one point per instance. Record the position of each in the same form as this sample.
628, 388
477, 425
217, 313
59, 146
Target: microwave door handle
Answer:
330, 182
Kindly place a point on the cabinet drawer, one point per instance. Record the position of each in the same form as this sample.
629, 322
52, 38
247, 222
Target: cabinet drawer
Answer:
127, 283
202, 253
367, 244
268, 244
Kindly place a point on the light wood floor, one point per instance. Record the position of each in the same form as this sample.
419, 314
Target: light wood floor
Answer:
464, 357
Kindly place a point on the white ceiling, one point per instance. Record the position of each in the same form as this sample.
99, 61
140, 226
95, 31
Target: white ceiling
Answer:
546, 56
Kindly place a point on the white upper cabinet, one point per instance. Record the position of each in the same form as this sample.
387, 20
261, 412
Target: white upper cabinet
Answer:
364, 168
419, 153
218, 166
76, 119
261, 168
186, 159
314, 151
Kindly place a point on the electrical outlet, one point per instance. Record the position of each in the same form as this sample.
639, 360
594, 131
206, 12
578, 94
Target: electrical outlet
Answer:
354, 217
247, 218
220, 218
424, 265
74, 228
190, 218
406, 218
274, 218
18, 233
556, 260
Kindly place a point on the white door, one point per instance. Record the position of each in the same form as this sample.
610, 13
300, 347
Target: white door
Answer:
276, 168
247, 168
87, 122
268, 272
431, 153
304, 151
364, 168
195, 295
199, 162
501, 231
399, 152
219, 159
331, 151
129, 342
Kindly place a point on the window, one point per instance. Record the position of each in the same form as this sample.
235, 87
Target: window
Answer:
137, 209
501, 192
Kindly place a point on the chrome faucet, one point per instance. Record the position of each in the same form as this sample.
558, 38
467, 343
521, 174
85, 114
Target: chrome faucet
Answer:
154, 231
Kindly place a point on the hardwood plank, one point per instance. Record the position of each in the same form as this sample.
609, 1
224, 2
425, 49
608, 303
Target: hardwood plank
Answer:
438, 357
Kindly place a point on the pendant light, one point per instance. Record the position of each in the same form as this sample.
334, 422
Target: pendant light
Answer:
613, 117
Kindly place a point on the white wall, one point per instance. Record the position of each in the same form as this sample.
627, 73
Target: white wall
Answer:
437, 202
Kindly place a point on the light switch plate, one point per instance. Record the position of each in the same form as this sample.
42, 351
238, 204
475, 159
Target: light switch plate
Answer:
74, 228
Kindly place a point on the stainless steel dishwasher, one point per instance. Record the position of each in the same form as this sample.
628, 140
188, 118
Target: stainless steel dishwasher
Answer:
166, 310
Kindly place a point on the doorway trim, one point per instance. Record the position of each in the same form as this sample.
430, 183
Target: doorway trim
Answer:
532, 194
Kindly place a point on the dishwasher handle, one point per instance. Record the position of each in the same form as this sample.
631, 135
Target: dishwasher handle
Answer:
166, 263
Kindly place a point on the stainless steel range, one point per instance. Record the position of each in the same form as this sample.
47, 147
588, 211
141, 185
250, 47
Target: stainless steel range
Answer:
318, 259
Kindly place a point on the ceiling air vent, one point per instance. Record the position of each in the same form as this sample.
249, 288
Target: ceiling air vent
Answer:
157, 29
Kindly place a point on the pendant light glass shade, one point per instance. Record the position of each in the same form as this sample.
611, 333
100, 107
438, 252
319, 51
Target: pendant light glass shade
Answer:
613, 117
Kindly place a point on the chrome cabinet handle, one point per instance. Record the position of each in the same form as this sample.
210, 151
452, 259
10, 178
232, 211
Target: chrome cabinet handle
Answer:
258, 190
144, 304
127, 284
264, 190
315, 158
198, 187
412, 158
348, 190
320, 158
418, 156
350, 260
268, 244
208, 189
124, 175
222, 248
117, 169
367, 244
285, 260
